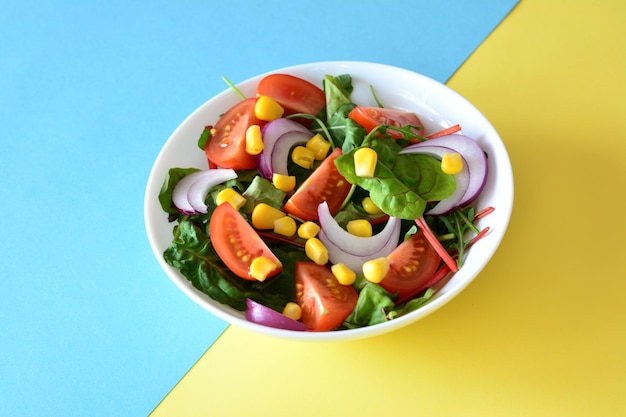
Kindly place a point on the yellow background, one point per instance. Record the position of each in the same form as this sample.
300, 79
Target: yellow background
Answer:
541, 331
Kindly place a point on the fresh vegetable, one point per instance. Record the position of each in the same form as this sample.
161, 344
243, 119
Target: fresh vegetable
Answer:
258, 313
226, 147
318, 214
294, 94
372, 117
325, 184
190, 192
325, 302
237, 243
350, 250
474, 158
411, 264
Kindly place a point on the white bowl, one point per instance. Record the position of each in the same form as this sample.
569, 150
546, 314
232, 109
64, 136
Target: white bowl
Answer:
437, 106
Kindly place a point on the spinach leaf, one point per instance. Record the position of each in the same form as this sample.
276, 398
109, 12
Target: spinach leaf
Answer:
337, 90
371, 308
402, 184
259, 191
192, 253
345, 132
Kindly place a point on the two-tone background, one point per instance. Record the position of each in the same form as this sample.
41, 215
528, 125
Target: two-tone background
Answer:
89, 324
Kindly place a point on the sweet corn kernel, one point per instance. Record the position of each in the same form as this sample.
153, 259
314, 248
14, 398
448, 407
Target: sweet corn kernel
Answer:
264, 215
307, 230
451, 163
360, 227
365, 162
254, 140
293, 311
370, 207
284, 183
316, 251
319, 146
266, 108
344, 275
229, 195
261, 267
303, 157
285, 226
376, 269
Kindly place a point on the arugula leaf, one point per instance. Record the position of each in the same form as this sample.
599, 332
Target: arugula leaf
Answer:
345, 132
192, 253
402, 184
165, 194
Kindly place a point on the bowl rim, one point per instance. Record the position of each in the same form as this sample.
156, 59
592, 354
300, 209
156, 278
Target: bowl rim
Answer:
505, 187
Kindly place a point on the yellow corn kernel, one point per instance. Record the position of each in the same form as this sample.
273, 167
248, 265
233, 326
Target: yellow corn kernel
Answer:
344, 275
370, 207
284, 183
261, 267
316, 251
360, 227
376, 269
451, 163
307, 230
264, 215
266, 108
285, 226
319, 146
293, 311
254, 140
303, 157
229, 195
365, 162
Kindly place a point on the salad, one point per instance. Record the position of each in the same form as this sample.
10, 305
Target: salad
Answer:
318, 214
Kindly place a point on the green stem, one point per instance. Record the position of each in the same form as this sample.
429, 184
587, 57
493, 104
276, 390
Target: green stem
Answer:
234, 88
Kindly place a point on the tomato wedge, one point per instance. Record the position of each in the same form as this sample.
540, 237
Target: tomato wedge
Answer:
294, 94
325, 302
226, 147
324, 184
370, 117
411, 265
237, 243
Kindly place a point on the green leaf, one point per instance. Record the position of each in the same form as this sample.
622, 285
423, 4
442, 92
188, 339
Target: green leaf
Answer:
372, 306
204, 137
259, 191
402, 184
192, 253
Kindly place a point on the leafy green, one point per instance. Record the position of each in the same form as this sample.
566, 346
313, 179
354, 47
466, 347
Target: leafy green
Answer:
192, 253
259, 191
204, 137
371, 308
402, 184
337, 90
454, 227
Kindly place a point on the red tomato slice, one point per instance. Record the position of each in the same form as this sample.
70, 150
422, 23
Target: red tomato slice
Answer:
294, 94
411, 265
237, 243
226, 147
325, 302
370, 117
324, 184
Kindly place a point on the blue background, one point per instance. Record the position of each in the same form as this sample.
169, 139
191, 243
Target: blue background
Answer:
89, 93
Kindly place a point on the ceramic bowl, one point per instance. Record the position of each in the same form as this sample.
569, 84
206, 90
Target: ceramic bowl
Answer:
437, 106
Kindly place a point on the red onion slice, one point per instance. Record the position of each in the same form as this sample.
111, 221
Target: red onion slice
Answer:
353, 251
271, 133
190, 192
258, 313
282, 146
472, 154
